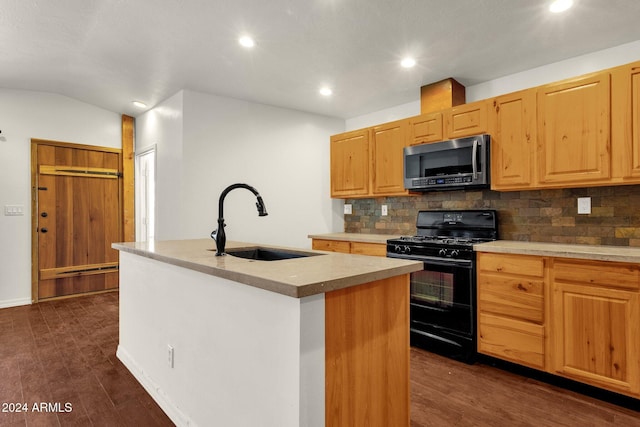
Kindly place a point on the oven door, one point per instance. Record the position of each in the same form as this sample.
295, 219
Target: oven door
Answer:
442, 299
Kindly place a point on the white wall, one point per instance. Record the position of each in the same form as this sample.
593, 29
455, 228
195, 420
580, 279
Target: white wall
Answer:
162, 127
387, 115
550, 73
283, 153
25, 115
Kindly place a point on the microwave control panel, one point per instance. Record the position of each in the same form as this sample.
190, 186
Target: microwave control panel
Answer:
442, 181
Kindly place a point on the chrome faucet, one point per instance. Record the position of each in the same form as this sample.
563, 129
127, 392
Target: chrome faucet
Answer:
218, 235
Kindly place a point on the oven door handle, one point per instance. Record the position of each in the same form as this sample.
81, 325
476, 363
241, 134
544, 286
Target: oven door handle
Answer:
435, 260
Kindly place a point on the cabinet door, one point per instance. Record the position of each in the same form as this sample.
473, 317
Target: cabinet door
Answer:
625, 131
426, 128
574, 130
513, 140
350, 164
466, 120
596, 335
389, 141
634, 155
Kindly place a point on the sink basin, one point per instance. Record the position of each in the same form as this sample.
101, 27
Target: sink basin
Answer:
267, 254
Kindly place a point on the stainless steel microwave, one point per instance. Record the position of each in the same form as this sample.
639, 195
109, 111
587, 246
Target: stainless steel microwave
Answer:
447, 165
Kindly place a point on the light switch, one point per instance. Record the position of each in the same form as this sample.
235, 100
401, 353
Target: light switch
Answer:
384, 210
13, 210
347, 209
584, 205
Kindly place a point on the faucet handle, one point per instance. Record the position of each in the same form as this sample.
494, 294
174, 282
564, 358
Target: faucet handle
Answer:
214, 233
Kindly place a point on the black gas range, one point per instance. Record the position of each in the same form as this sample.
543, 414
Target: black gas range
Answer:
443, 294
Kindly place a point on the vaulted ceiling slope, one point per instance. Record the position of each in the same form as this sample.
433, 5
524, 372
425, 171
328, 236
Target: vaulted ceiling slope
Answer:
111, 52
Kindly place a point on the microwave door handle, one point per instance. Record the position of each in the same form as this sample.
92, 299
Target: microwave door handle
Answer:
474, 161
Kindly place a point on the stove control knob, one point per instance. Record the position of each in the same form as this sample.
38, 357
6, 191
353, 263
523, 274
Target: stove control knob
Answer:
407, 250
455, 252
396, 249
442, 252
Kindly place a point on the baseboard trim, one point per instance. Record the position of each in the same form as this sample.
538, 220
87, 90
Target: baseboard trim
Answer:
177, 416
15, 302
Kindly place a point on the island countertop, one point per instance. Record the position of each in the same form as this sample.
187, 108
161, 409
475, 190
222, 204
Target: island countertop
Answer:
299, 277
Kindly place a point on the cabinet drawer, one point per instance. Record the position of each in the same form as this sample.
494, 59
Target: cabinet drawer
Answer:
331, 245
609, 274
516, 297
376, 249
520, 265
514, 340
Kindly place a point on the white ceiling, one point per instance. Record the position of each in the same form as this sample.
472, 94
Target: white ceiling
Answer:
111, 52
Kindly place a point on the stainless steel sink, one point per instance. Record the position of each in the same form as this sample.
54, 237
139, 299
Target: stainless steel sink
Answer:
268, 254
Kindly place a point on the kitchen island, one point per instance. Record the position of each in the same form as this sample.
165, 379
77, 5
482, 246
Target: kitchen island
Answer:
310, 341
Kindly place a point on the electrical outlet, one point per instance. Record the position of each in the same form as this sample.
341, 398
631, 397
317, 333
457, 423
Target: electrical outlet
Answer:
170, 356
584, 205
384, 210
348, 209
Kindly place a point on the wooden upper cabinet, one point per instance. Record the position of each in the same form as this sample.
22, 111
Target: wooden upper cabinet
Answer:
596, 323
512, 125
625, 130
388, 142
350, 153
574, 134
426, 128
369, 162
466, 120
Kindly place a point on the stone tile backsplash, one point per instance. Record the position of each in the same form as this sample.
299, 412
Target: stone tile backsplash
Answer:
536, 216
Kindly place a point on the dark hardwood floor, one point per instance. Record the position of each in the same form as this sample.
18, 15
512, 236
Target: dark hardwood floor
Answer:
63, 352
445, 392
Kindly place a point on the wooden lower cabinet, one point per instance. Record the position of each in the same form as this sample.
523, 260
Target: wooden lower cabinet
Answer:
579, 319
347, 247
331, 245
367, 354
511, 298
596, 324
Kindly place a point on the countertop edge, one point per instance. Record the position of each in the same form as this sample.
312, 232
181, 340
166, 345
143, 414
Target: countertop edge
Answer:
355, 237
561, 250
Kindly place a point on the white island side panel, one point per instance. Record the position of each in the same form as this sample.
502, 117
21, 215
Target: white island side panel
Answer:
242, 355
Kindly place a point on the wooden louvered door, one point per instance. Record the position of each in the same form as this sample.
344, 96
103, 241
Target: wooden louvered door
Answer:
77, 216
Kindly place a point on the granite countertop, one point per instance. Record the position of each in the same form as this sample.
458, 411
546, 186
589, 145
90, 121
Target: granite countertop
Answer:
562, 250
296, 278
355, 237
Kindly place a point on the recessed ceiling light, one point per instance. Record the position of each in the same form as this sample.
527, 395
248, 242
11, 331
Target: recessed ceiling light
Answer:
325, 91
408, 62
139, 104
560, 5
246, 41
